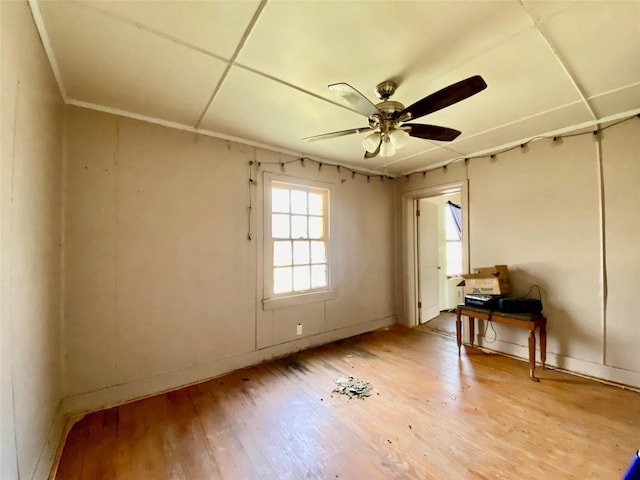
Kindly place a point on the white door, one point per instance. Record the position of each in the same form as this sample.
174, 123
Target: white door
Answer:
428, 269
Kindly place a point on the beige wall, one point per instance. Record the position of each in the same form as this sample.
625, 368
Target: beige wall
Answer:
162, 286
418, 185
621, 181
539, 212
32, 122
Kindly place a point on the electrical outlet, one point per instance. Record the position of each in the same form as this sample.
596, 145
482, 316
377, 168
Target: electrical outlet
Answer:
299, 329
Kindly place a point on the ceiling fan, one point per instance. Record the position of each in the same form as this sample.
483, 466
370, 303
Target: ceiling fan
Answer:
387, 119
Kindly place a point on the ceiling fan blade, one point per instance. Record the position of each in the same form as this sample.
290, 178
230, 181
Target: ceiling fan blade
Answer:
368, 154
445, 97
341, 133
432, 132
354, 99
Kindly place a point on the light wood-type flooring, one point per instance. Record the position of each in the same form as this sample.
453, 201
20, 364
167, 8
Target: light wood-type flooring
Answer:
445, 324
432, 415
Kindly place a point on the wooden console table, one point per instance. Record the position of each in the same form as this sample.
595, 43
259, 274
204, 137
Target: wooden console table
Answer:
530, 321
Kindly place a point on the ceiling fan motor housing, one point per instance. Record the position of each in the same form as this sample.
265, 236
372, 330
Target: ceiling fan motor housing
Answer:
388, 120
389, 107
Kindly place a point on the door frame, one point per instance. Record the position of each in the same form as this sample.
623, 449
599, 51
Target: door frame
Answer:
410, 242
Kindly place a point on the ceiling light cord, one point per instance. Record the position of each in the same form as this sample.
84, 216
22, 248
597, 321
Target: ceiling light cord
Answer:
557, 140
302, 160
524, 146
250, 207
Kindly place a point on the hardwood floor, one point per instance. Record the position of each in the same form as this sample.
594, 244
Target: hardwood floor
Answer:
445, 324
432, 415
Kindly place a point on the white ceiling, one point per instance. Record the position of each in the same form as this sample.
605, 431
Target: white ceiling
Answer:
258, 71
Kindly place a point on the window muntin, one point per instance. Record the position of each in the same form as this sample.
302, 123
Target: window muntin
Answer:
299, 239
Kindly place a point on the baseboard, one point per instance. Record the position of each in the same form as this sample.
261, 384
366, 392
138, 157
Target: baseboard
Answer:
69, 421
51, 445
569, 364
119, 394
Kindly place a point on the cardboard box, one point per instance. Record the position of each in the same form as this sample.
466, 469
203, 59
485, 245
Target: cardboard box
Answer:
487, 281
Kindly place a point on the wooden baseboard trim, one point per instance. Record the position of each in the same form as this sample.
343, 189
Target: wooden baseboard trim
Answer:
120, 394
70, 421
593, 371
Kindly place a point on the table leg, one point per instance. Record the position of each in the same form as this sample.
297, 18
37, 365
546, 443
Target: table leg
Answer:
472, 333
543, 344
532, 354
458, 332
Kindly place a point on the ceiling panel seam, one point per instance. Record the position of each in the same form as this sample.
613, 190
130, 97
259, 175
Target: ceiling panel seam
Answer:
153, 31
614, 90
342, 105
519, 120
295, 87
46, 43
561, 131
245, 36
423, 152
560, 61
484, 132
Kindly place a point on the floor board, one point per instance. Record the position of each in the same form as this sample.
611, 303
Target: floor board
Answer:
444, 323
432, 415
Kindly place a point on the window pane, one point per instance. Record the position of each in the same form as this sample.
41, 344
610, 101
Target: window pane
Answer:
318, 276
298, 201
318, 252
300, 253
451, 229
454, 259
299, 239
315, 204
301, 278
281, 253
315, 227
280, 226
298, 226
282, 280
279, 200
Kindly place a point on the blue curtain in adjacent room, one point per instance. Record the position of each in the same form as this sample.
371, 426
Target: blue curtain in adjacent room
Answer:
456, 213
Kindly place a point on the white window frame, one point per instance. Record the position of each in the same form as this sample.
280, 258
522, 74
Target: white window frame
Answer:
270, 300
457, 242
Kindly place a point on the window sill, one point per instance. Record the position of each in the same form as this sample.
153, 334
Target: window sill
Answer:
292, 300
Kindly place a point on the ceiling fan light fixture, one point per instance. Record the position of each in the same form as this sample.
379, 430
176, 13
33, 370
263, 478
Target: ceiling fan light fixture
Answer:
370, 142
387, 128
387, 149
399, 137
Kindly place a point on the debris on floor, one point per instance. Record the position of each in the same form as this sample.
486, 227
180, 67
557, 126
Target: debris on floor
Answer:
353, 387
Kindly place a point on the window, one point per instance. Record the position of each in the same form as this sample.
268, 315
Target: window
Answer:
454, 240
296, 240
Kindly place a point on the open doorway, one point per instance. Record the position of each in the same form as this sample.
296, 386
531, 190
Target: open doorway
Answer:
412, 303
439, 248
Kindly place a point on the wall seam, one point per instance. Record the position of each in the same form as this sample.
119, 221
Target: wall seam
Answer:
256, 258
116, 168
603, 242
63, 252
10, 276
